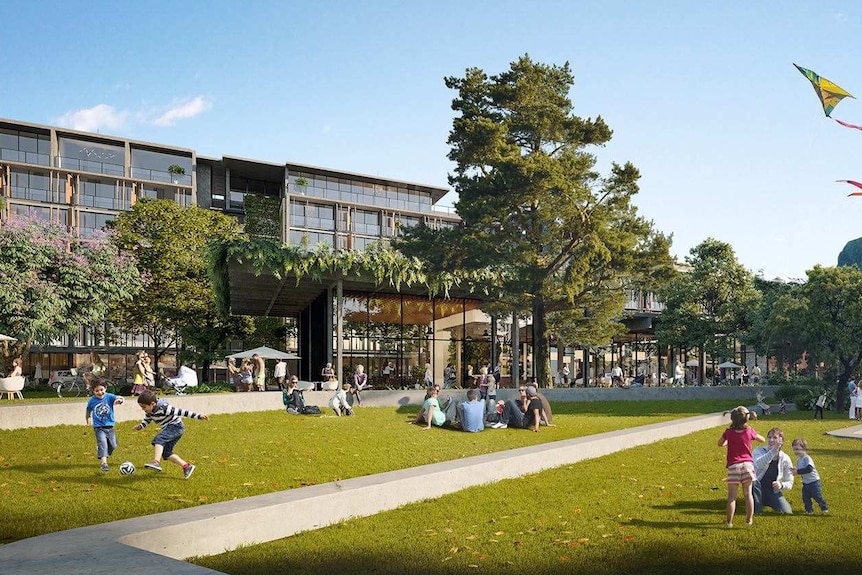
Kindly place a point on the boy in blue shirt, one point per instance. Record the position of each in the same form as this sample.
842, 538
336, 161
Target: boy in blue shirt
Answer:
101, 408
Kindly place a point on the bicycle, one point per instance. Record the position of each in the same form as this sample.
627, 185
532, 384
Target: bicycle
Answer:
72, 388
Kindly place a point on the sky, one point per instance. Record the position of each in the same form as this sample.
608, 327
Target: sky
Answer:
703, 98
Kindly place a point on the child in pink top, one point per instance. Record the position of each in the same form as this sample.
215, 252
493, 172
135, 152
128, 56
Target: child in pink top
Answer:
740, 464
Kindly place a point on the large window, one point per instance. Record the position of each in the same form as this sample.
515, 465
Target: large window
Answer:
92, 222
155, 166
91, 157
44, 214
299, 237
361, 193
29, 185
97, 194
17, 146
312, 216
366, 223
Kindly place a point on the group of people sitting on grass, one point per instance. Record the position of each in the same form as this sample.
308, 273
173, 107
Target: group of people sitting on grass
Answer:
530, 410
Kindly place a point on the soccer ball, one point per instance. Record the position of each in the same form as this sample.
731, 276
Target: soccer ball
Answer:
127, 468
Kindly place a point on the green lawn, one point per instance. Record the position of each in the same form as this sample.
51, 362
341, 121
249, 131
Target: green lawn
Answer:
49, 477
656, 509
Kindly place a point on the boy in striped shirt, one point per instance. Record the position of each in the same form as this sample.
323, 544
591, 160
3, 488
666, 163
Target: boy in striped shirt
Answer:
170, 418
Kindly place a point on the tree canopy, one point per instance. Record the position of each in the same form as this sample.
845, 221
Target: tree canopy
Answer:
563, 241
711, 305
53, 282
171, 242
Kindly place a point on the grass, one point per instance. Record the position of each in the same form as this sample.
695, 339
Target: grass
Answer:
51, 482
656, 509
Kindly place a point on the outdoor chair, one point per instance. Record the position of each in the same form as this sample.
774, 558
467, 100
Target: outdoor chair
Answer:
12, 386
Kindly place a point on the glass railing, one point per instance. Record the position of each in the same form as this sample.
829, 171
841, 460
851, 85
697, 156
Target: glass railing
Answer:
32, 194
162, 176
24, 157
91, 166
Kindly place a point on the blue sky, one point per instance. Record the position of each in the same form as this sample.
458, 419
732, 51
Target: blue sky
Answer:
730, 139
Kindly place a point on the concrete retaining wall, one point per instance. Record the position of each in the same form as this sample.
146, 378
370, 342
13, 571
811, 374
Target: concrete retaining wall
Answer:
19, 415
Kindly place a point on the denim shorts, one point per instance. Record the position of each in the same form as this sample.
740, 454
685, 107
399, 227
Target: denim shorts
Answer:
168, 437
106, 441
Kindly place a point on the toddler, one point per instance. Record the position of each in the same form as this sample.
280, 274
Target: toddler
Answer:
810, 478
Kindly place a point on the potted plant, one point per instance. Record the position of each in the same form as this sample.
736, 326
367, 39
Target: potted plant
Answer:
175, 172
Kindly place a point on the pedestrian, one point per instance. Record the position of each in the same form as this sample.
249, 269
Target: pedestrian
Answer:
819, 405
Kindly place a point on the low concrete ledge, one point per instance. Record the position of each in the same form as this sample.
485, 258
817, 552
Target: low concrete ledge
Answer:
159, 542
18, 415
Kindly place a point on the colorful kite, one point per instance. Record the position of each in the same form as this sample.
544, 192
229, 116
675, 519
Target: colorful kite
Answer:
853, 183
830, 94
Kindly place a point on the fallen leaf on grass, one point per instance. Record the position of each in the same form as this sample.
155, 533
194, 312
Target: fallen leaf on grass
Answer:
498, 533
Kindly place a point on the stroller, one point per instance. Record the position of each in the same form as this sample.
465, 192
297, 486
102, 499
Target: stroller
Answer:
186, 377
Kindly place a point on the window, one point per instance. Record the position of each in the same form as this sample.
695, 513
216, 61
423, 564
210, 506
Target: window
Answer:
17, 146
91, 222
97, 194
27, 185
366, 222
154, 166
92, 156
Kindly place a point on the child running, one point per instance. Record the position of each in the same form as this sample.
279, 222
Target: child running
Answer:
740, 464
810, 478
170, 418
101, 407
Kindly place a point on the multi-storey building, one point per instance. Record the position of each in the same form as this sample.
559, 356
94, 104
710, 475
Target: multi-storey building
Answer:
82, 180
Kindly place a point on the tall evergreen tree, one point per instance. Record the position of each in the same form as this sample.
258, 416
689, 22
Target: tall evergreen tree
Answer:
562, 240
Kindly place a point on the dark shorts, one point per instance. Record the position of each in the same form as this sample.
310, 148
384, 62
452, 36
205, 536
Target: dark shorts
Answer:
168, 437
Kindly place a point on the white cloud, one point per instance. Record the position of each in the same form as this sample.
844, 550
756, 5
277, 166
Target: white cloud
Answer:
183, 109
95, 119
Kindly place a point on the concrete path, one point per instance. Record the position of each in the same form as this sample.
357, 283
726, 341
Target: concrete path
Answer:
853, 432
158, 543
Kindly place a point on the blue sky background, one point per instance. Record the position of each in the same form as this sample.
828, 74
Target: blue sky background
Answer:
702, 97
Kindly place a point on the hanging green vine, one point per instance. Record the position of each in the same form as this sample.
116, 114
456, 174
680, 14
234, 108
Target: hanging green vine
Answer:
379, 264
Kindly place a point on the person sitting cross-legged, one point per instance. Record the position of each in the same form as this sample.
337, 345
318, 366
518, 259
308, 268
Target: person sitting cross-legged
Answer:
468, 415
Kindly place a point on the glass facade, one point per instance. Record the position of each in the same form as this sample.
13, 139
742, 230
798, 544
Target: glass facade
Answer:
25, 147
155, 166
91, 157
394, 336
363, 193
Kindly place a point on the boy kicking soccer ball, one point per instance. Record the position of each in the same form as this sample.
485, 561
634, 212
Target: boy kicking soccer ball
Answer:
170, 418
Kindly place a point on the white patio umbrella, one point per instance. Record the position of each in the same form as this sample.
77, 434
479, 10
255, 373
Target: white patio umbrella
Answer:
728, 365
4, 337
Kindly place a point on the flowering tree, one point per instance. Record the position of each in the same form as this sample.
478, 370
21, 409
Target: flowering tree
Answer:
52, 281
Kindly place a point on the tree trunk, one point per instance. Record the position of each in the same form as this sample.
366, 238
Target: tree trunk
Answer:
541, 353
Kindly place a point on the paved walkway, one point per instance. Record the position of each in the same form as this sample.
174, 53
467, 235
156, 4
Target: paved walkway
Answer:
159, 543
852, 432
